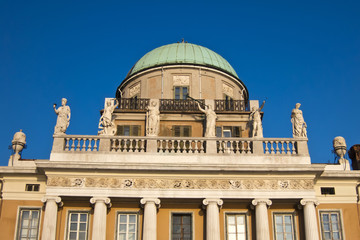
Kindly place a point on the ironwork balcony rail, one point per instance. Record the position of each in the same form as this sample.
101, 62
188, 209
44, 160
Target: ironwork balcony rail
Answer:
177, 145
231, 106
134, 104
176, 105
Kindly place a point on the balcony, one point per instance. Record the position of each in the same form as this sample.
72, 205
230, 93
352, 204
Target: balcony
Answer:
181, 105
232, 150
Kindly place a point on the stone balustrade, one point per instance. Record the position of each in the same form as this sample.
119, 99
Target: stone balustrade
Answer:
177, 145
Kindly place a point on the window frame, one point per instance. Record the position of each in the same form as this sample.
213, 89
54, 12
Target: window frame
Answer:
137, 223
19, 223
181, 96
69, 212
293, 215
181, 130
340, 223
191, 213
230, 129
32, 187
131, 130
245, 214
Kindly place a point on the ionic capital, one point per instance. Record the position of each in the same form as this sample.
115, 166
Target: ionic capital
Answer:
105, 200
259, 201
307, 201
145, 201
217, 201
55, 199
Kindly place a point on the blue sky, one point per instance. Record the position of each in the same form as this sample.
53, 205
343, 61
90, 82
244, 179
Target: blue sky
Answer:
285, 51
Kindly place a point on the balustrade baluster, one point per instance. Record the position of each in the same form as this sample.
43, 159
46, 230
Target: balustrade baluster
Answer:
266, 147
277, 147
67, 146
248, 147
272, 147
282, 147
293, 150
95, 148
83, 148
288, 147
73, 144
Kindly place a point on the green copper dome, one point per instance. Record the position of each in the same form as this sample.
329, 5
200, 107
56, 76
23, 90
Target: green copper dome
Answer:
182, 53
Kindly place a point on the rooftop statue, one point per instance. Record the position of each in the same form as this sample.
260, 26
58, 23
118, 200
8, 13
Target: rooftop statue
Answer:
153, 119
339, 145
210, 120
298, 124
63, 119
255, 118
105, 123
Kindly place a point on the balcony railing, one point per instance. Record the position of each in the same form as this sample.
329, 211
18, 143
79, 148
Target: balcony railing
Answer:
181, 105
230, 106
176, 145
177, 105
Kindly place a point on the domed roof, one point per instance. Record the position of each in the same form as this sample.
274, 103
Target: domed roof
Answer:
182, 53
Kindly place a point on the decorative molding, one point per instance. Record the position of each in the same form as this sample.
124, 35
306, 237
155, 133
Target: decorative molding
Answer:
56, 199
181, 80
178, 183
259, 201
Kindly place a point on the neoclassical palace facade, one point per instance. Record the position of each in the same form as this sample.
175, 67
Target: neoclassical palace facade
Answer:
179, 154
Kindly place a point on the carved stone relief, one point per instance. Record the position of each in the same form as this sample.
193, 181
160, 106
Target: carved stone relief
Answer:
150, 183
228, 90
133, 90
181, 80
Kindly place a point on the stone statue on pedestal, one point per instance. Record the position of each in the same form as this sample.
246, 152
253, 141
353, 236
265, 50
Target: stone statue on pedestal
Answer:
210, 120
255, 118
298, 124
153, 119
105, 123
63, 119
339, 145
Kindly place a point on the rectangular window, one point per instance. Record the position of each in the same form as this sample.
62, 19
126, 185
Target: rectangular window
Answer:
77, 228
180, 92
327, 191
29, 220
284, 226
228, 131
181, 226
181, 131
32, 187
236, 227
331, 225
128, 130
127, 226
229, 103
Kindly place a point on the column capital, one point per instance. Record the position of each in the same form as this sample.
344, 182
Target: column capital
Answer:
56, 199
208, 201
258, 201
306, 201
105, 200
145, 201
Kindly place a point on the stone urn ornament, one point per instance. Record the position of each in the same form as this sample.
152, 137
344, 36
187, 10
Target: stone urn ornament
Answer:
339, 146
17, 144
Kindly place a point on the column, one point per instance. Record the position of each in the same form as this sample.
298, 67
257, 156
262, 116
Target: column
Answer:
50, 217
150, 207
310, 222
100, 211
212, 218
261, 217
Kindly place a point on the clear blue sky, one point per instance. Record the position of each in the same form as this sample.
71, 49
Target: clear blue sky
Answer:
287, 51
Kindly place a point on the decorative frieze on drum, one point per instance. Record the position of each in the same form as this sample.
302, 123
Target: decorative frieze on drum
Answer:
165, 183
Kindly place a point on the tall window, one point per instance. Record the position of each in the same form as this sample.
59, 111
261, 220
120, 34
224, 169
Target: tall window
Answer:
181, 131
236, 227
127, 226
284, 226
78, 226
228, 131
181, 92
330, 225
128, 130
29, 220
181, 226
229, 102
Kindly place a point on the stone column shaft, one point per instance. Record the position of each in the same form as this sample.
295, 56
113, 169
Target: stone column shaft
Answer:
150, 221
212, 218
50, 217
100, 211
261, 217
310, 222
